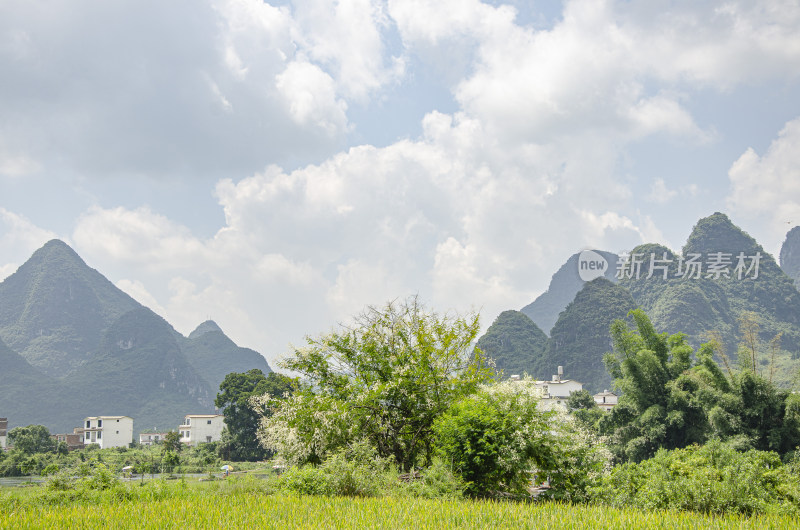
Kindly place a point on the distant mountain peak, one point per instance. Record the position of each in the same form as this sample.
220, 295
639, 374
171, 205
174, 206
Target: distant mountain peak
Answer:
206, 327
717, 233
55, 249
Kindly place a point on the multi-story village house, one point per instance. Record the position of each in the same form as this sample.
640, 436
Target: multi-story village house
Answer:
201, 428
107, 431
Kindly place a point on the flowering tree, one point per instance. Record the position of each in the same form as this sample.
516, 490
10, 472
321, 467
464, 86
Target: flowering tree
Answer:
383, 379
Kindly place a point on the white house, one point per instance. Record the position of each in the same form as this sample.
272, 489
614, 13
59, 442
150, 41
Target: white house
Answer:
556, 391
150, 438
3, 433
201, 428
107, 431
606, 400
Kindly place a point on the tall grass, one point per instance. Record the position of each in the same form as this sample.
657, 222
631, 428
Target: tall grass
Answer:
246, 503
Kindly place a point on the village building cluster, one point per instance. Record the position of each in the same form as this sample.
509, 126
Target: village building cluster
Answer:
557, 390
117, 431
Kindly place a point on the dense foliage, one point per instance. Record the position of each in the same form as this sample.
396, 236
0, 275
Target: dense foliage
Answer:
32, 439
496, 439
383, 379
670, 401
500, 441
167, 458
714, 478
240, 440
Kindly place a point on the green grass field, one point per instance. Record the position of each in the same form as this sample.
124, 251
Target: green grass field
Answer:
232, 504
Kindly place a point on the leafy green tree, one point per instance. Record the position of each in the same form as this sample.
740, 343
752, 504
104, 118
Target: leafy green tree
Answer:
172, 442
583, 407
32, 439
581, 400
496, 439
659, 407
240, 441
384, 379
713, 478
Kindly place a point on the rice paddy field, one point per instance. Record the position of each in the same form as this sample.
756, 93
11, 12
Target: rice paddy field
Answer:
237, 506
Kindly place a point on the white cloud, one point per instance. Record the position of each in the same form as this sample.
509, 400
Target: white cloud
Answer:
138, 237
112, 90
480, 208
19, 237
347, 36
139, 292
660, 193
310, 95
767, 187
17, 165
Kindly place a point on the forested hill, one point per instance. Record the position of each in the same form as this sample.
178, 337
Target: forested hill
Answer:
74, 345
563, 287
699, 306
737, 279
514, 343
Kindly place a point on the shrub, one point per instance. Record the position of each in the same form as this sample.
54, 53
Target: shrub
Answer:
713, 478
306, 480
495, 439
438, 481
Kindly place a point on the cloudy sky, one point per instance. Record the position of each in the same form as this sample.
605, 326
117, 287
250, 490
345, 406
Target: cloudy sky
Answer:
276, 166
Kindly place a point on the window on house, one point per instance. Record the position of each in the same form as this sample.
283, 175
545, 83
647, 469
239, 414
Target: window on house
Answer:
209, 422
99, 423
117, 432
88, 424
208, 439
99, 434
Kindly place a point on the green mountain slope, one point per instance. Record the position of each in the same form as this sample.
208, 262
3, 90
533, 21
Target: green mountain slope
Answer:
514, 342
213, 355
74, 345
564, 285
790, 255
27, 396
54, 309
580, 336
140, 371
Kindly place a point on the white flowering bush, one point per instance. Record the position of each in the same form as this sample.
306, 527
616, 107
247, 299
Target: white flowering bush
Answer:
304, 428
581, 461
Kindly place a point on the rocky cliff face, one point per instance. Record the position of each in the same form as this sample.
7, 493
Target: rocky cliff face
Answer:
790, 255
